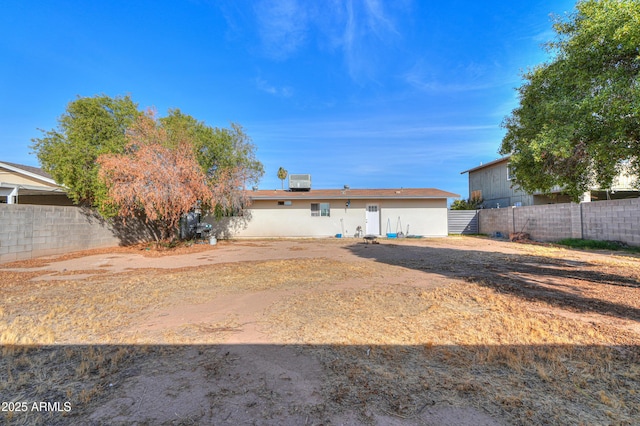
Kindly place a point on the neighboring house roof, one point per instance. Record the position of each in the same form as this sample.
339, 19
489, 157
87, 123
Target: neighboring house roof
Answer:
18, 179
343, 194
490, 163
30, 171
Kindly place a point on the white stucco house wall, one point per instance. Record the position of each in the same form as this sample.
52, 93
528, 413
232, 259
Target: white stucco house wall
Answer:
328, 212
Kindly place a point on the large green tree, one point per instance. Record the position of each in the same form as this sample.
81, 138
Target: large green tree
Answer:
578, 121
226, 156
99, 126
216, 148
89, 127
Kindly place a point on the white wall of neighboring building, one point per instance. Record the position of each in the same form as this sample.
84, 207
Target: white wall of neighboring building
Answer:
426, 217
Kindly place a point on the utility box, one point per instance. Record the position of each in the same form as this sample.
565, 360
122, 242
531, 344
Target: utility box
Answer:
300, 182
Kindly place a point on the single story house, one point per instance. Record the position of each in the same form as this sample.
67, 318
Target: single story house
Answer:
29, 185
349, 212
492, 182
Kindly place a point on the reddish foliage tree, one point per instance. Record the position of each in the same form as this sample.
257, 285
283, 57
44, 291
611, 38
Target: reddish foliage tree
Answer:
227, 192
157, 176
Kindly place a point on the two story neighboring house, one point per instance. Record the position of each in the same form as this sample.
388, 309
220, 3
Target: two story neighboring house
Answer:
29, 185
492, 182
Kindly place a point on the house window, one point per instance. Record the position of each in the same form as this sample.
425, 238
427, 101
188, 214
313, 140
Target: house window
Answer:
320, 209
284, 203
509, 172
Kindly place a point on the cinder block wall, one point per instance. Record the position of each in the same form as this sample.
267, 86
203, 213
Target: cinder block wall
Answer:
550, 222
615, 220
495, 220
28, 231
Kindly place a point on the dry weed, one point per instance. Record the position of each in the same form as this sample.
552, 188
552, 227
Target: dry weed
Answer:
201, 333
464, 343
102, 306
393, 349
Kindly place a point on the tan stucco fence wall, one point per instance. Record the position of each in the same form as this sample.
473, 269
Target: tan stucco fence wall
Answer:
615, 220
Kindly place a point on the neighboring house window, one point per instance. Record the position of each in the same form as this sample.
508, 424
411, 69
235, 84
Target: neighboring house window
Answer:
509, 172
284, 203
320, 209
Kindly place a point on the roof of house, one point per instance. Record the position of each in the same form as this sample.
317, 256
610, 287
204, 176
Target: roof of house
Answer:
328, 194
28, 171
490, 163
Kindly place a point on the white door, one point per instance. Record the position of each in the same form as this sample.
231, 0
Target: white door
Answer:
373, 220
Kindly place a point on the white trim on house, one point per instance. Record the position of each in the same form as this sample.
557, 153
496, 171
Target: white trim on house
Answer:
16, 169
27, 181
12, 191
489, 164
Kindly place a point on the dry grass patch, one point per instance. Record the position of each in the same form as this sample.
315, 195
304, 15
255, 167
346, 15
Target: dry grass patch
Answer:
613, 260
75, 377
530, 334
459, 314
201, 333
145, 249
98, 309
95, 310
405, 348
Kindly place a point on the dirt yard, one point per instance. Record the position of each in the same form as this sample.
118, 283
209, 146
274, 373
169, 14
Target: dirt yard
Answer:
460, 330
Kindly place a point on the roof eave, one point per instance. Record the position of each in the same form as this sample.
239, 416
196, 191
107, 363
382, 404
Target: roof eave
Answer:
357, 197
27, 173
489, 164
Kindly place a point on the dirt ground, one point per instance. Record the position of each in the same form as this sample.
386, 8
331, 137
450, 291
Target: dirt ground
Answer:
458, 330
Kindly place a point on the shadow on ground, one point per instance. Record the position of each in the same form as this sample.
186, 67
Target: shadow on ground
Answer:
532, 278
320, 384
427, 384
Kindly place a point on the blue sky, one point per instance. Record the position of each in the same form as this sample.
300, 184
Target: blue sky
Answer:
367, 93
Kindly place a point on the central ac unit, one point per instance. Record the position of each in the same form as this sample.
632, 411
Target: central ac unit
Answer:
300, 182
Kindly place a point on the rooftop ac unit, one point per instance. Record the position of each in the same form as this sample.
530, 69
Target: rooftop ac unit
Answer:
300, 182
